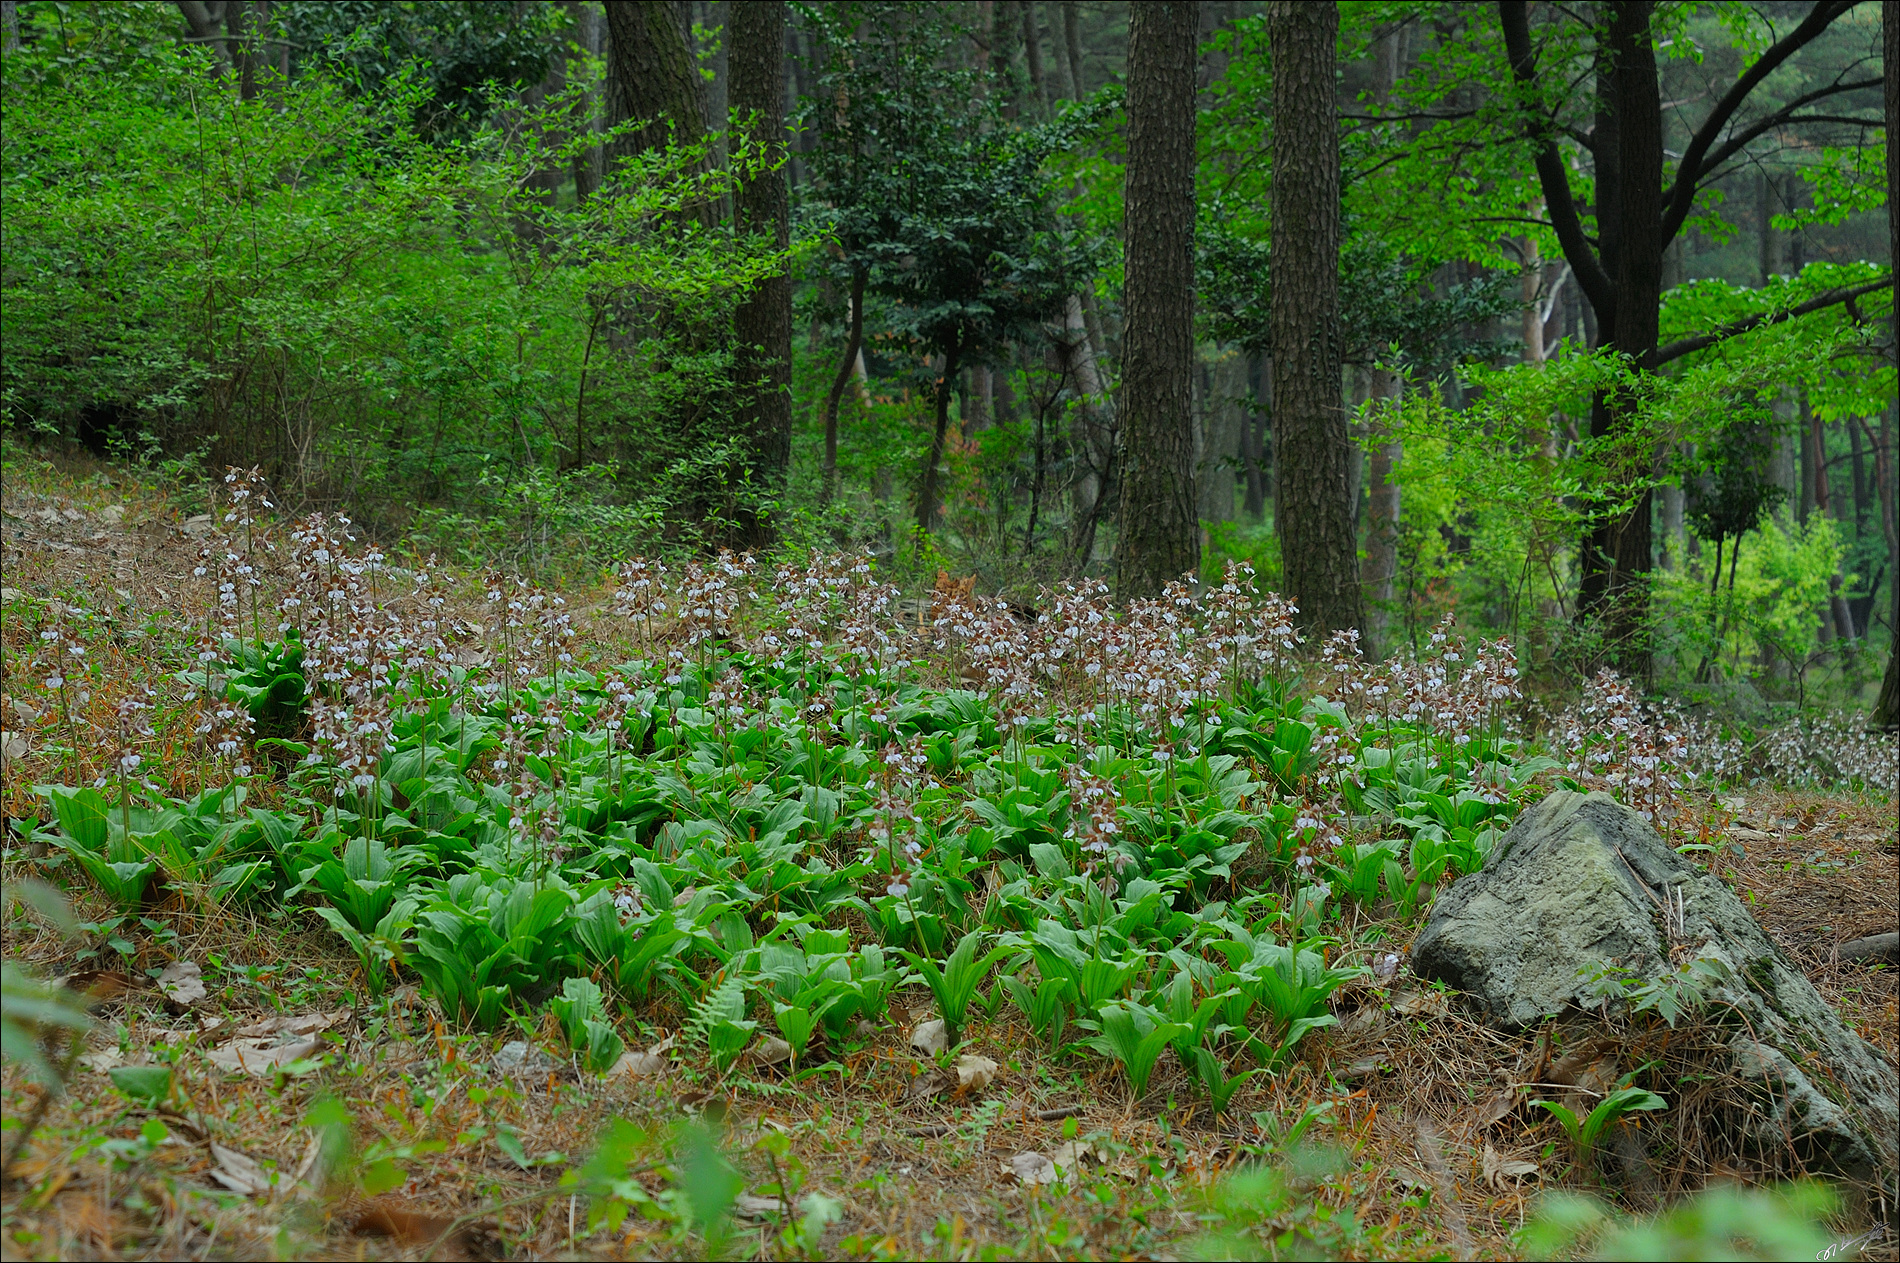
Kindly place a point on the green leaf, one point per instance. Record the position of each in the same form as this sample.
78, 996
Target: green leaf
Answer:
147, 1085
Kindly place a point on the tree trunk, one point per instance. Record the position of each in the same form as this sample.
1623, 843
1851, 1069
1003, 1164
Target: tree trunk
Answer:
763, 320
1041, 96
1072, 39
1313, 508
1159, 537
9, 25
587, 34
853, 360
1011, 29
1617, 553
1064, 86
1380, 572
1226, 419
1253, 453
927, 493
1887, 709
652, 77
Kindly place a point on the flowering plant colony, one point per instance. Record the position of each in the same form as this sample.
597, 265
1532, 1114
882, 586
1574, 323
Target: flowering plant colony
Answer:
1140, 826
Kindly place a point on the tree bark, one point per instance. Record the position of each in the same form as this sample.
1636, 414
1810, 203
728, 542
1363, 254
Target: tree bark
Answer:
1159, 537
1618, 549
1041, 98
1072, 40
1887, 709
9, 25
652, 76
587, 34
763, 320
853, 360
1379, 573
1313, 509
928, 496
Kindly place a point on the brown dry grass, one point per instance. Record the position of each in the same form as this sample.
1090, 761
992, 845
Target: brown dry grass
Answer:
1413, 1095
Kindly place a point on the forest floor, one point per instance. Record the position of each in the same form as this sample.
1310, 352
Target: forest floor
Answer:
1411, 1155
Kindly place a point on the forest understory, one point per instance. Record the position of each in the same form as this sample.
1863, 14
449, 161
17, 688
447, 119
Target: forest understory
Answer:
318, 1088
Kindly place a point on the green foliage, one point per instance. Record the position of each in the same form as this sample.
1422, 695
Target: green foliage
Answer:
266, 678
1135, 1034
442, 316
1722, 1222
958, 980
584, 1021
1586, 1131
33, 1014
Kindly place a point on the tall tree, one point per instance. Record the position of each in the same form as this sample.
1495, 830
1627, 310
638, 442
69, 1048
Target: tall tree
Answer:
1619, 269
1379, 572
1159, 524
652, 78
1887, 708
1314, 451
763, 320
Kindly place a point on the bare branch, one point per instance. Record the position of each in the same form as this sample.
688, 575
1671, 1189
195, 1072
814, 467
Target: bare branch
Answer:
1682, 195
1551, 173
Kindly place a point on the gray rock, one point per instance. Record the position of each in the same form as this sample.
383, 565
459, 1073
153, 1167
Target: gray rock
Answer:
1581, 883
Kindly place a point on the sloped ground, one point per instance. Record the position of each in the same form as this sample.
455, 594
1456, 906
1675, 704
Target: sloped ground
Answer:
1432, 1152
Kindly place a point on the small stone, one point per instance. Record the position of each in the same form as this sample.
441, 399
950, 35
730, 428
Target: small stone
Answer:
518, 1056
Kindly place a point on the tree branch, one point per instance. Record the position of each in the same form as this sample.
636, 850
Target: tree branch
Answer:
1682, 194
204, 27
1702, 342
1740, 140
1551, 174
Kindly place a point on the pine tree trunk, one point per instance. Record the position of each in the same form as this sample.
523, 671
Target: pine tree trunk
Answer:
1159, 537
1887, 709
1313, 508
763, 321
651, 77
1380, 570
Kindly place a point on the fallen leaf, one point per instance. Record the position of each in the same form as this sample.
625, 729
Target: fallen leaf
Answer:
258, 1056
1071, 1154
752, 1206
1498, 1168
112, 514
1499, 1105
770, 1051
1032, 1168
444, 1240
637, 1065
305, 1181
929, 1038
1408, 1178
927, 1084
974, 1073
14, 745
239, 1172
1422, 1004
182, 984
103, 1060
27, 713
99, 986
295, 1024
